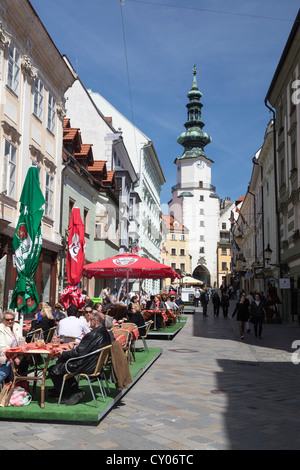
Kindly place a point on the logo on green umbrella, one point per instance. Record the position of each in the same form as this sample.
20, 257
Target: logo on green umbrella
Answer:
22, 231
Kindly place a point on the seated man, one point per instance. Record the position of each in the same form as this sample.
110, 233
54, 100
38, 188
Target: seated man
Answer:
72, 326
97, 338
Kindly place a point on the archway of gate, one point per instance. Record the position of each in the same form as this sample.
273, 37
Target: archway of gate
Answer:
201, 272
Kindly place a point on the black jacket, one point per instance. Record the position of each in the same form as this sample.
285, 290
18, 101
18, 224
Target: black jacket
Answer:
45, 323
138, 319
96, 339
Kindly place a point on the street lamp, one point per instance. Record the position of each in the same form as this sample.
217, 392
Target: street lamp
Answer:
268, 253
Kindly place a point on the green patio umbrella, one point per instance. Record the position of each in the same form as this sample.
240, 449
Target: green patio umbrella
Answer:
27, 243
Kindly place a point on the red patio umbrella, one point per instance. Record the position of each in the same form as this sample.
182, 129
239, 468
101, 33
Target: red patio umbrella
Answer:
129, 266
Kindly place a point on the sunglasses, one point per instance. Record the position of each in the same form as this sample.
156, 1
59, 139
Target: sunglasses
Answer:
9, 319
88, 311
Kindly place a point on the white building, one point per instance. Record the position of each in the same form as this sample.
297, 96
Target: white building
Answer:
145, 211
195, 203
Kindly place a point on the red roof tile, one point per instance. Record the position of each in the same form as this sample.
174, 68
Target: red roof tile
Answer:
98, 165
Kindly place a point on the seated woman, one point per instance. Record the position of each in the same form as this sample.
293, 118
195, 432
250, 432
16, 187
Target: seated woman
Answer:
46, 322
134, 300
10, 336
171, 304
134, 316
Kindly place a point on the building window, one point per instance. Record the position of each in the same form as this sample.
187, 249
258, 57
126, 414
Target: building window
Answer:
9, 169
182, 252
173, 251
201, 238
131, 202
173, 236
86, 220
201, 223
71, 206
173, 265
224, 251
223, 225
38, 98
33, 163
201, 211
202, 198
182, 267
13, 69
224, 236
201, 249
224, 266
51, 113
49, 195
182, 238
293, 156
282, 172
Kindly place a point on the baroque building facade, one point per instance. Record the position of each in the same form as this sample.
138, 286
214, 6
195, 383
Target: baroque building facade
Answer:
33, 80
283, 99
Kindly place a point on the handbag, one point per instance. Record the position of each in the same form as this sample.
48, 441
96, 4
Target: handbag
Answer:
20, 397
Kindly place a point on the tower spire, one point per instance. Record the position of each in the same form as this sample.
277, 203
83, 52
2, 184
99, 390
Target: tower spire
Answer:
194, 139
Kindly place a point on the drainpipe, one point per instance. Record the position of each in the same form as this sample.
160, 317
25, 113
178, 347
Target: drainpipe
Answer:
276, 189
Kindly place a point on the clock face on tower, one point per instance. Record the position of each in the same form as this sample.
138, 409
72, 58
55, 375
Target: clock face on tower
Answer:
200, 164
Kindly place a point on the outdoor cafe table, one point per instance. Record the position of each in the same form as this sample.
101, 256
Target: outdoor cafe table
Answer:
33, 349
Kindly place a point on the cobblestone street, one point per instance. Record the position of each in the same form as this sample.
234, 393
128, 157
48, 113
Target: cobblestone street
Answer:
208, 390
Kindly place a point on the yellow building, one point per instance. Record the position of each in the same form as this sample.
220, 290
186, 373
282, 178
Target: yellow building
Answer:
175, 247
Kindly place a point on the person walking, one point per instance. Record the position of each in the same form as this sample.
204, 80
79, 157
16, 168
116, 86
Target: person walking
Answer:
196, 298
242, 311
216, 304
204, 301
225, 303
257, 314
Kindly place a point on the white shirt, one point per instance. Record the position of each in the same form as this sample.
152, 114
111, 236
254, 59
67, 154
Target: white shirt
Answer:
72, 326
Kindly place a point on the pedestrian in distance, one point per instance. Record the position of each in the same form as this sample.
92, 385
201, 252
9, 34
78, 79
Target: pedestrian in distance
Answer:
225, 303
196, 298
216, 303
242, 313
204, 301
257, 314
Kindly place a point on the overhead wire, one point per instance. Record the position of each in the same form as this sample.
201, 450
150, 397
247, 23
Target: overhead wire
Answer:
222, 12
122, 2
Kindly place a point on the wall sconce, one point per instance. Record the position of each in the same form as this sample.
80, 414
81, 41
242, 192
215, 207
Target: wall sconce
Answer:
268, 253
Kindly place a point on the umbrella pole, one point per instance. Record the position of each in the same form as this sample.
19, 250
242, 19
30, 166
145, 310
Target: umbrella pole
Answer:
21, 320
127, 276
140, 282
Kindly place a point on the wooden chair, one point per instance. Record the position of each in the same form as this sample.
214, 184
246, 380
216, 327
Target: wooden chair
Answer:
147, 328
179, 311
103, 355
50, 334
128, 325
127, 347
35, 335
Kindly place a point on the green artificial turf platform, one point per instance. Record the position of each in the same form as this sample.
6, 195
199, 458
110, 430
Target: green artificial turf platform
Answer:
169, 332
84, 412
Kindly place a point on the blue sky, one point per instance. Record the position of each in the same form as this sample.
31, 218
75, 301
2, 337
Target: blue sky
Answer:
235, 44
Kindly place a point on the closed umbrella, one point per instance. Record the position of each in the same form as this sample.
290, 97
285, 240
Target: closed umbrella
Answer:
27, 243
75, 261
